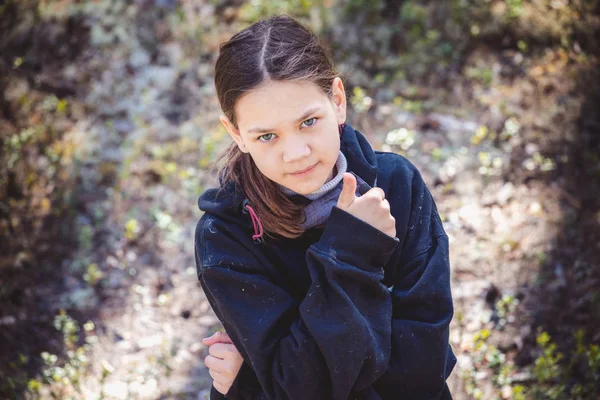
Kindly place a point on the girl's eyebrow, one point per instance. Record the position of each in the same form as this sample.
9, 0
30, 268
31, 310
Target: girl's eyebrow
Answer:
306, 114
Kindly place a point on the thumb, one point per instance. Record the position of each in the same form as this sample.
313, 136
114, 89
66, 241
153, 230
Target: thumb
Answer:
217, 337
348, 194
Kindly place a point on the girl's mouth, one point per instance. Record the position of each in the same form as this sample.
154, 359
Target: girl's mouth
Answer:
305, 172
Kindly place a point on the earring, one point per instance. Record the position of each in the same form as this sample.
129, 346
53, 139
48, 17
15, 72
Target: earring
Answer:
341, 127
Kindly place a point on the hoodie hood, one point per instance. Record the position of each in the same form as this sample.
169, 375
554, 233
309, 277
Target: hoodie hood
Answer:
227, 202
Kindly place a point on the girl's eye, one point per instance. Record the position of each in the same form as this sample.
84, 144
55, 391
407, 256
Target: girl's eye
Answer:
261, 136
314, 119
313, 122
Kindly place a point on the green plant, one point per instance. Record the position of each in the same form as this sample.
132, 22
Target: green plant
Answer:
514, 8
257, 9
546, 367
504, 307
132, 229
555, 378
62, 376
360, 100
483, 75
93, 274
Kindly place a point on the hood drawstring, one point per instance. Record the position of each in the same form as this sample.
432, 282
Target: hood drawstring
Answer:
258, 228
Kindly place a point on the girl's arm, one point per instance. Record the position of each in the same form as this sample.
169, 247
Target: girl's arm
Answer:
336, 341
421, 357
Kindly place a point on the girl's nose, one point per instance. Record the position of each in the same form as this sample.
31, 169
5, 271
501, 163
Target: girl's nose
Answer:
295, 150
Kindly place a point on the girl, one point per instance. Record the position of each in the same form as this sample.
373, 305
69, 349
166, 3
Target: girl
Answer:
325, 261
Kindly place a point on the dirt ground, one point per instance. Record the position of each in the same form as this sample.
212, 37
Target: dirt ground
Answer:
512, 161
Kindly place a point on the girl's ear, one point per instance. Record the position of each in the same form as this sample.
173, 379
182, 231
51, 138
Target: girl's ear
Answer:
339, 99
233, 132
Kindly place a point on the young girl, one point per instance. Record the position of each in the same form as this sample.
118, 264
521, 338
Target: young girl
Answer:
325, 261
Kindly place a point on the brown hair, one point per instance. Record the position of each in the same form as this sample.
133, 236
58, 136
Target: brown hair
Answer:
276, 49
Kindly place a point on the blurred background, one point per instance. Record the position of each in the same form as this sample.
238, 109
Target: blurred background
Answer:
109, 125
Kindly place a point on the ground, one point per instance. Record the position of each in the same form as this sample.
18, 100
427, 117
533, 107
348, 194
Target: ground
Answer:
110, 124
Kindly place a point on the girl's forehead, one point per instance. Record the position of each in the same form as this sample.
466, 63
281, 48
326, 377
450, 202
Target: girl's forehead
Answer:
276, 102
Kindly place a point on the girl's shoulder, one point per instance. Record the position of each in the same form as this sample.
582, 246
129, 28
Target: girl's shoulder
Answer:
396, 172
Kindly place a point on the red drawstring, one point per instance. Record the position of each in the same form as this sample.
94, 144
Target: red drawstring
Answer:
257, 224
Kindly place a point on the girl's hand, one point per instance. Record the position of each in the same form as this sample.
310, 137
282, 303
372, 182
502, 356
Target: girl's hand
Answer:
223, 362
371, 207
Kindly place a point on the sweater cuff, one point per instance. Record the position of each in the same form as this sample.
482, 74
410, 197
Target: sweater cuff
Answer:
355, 242
215, 394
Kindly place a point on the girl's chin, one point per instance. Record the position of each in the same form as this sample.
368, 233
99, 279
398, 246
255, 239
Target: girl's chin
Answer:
309, 183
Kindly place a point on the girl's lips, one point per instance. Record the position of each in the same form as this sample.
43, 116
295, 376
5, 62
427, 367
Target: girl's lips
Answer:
309, 170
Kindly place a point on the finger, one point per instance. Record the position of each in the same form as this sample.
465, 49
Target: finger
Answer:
392, 228
220, 387
376, 192
210, 339
386, 204
348, 193
217, 376
215, 363
223, 367
222, 350
218, 337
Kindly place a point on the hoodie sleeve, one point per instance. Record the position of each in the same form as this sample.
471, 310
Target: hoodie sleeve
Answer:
421, 357
333, 344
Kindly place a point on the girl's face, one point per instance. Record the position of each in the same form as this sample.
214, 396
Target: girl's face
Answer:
289, 127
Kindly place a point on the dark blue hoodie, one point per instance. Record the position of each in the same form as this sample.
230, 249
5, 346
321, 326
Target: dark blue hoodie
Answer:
344, 311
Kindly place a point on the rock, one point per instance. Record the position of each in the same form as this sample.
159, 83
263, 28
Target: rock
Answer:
150, 341
173, 53
196, 347
161, 78
522, 377
404, 118
139, 58
162, 129
531, 148
116, 279
208, 320
146, 390
472, 215
117, 390
481, 375
8, 320
71, 283
505, 193
451, 124
122, 125
492, 295
203, 395
457, 168
451, 167
489, 194
107, 367
81, 299
166, 3
99, 37
501, 221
